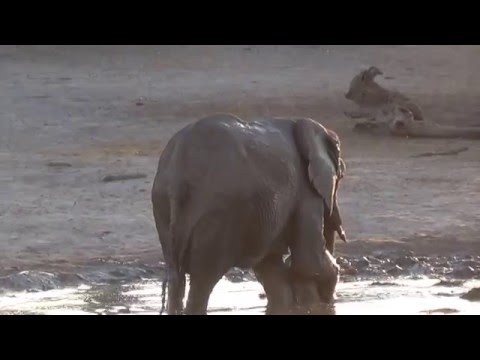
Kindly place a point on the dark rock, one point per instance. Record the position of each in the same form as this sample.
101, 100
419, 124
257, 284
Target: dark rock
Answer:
466, 272
471, 263
421, 269
374, 260
450, 283
30, 281
472, 295
444, 264
441, 270
343, 262
237, 275
441, 311
406, 261
395, 271
363, 262
383, 283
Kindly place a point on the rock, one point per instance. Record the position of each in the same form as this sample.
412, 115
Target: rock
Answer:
406, 261
450, 283
395, 271
466, 272
444, 264
237, 275
382, 283
441, 311
363, 263
30, 281
441, 270
421, 269
471, 263
110, 178
374, 260
472, 295
343, 262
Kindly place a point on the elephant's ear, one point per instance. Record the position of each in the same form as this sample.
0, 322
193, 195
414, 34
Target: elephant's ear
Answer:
316, 146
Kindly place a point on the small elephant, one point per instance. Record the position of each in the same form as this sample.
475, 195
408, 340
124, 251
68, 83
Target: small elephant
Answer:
230, 193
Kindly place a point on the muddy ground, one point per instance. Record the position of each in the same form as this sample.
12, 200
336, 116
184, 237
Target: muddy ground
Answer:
72, 115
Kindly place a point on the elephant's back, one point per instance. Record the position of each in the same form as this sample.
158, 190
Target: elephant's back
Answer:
231, 153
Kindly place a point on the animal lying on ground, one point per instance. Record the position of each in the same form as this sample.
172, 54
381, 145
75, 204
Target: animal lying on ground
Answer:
370, 96
397, 120
230, 193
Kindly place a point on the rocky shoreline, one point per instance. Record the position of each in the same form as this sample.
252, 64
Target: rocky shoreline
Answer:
379, 269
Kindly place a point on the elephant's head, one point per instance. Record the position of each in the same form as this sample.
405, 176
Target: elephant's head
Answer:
312, 264
320, 148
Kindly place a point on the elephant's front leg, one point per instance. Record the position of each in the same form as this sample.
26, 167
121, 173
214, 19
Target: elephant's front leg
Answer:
273, 274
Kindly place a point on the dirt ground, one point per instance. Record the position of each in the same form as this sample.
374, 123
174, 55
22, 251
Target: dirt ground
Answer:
104, 110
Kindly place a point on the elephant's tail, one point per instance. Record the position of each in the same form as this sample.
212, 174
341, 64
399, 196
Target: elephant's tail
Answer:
177, 245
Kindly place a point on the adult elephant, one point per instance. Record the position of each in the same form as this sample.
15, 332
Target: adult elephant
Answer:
230, 193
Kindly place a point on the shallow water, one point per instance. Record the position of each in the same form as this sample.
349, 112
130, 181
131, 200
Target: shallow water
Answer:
398, 297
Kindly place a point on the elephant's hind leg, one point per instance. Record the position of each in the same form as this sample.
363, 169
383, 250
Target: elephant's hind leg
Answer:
209, 260
201, 286
176, 293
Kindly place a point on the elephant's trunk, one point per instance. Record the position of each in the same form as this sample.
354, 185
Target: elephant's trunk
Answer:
332, 225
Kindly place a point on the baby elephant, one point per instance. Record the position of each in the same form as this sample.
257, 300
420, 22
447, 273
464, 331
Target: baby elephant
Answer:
230, 193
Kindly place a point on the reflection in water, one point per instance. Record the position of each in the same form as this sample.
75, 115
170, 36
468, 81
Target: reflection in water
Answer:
242, 298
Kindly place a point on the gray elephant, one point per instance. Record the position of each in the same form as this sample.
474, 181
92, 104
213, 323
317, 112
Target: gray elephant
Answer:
230, 193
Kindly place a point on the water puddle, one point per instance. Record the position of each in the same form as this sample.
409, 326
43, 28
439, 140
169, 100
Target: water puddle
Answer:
398, 297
